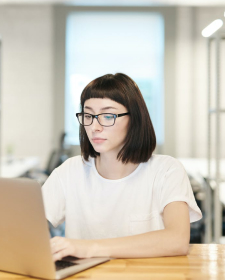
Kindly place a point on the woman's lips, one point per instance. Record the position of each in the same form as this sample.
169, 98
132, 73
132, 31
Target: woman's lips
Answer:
98, 140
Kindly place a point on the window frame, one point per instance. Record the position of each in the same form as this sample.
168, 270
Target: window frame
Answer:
60, 13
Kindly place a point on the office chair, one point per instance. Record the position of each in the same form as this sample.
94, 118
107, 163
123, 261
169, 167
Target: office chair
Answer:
56, 158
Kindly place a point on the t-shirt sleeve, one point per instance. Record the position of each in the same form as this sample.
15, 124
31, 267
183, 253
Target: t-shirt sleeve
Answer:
176, 187
54, 199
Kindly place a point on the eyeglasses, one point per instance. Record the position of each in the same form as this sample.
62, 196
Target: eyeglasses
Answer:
104, 119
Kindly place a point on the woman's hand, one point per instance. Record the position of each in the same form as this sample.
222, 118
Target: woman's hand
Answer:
62, 247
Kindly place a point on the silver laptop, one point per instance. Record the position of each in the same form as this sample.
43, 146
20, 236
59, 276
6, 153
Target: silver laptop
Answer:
24, 234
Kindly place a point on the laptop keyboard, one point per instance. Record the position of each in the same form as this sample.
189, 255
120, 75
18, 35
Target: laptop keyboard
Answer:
63, 264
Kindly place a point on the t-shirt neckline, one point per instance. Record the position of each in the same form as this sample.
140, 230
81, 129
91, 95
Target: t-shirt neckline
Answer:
117, 180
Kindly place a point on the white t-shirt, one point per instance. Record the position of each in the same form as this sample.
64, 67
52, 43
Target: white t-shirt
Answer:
95, 208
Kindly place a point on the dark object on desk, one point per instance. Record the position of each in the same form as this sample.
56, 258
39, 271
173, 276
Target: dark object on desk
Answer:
62, 264
66, 262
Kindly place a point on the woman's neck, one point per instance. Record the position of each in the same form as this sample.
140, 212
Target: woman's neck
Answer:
111, 168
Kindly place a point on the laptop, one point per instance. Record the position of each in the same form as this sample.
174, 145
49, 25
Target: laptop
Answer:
24, 235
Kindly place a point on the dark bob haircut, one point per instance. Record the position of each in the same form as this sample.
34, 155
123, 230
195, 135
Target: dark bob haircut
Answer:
140, 141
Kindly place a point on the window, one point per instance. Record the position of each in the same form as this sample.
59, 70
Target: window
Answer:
98, 43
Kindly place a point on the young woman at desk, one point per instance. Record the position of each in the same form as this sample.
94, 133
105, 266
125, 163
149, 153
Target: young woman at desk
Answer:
118, 199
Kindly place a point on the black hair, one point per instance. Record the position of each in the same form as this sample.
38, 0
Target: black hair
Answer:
140, 141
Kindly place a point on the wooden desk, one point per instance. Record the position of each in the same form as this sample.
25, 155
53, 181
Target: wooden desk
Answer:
204, 261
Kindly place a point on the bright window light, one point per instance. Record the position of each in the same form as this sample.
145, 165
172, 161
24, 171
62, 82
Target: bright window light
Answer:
99, 43
212, 28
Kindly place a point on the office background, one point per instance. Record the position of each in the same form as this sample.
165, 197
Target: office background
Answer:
42, 51
33, 76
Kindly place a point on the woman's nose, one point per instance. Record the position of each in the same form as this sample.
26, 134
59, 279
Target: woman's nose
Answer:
96, 125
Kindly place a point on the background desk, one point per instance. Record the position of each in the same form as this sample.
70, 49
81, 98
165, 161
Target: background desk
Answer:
198, 167
204, 261
17, 167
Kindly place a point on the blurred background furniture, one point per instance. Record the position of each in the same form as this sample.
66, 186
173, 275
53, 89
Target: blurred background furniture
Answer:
17, 166
217, 177
56, 158
204, 192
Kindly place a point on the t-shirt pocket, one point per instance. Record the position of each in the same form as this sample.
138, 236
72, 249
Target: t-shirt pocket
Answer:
143, 223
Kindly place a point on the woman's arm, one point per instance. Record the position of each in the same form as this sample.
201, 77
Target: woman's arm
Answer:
171, 241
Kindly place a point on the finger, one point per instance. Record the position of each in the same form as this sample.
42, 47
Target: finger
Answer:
61, 254
55, 239
57, 244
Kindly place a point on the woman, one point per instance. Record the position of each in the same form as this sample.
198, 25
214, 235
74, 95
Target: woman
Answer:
117, 198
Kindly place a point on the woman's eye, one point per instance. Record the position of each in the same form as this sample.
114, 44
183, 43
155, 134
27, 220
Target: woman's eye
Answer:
109, 117
87, 117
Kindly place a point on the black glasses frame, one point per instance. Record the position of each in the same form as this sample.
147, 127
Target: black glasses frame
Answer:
96, 117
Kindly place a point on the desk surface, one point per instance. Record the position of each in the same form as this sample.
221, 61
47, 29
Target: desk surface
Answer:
16, 167
204, 261
198, 167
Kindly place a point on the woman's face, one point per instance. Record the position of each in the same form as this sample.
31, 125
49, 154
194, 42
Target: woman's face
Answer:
106, 139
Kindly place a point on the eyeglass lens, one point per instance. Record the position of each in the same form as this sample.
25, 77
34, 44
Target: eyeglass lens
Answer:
103, 119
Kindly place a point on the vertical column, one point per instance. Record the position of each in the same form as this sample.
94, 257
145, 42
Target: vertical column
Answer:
217, 203
208, 200
0, 107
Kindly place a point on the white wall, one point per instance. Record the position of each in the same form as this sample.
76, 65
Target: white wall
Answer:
184, 82
27, 80
191, 82
204, 16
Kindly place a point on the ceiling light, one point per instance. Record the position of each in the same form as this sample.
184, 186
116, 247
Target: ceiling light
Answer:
212, 27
